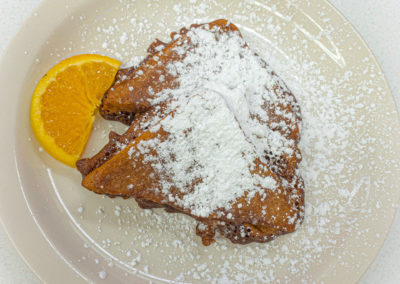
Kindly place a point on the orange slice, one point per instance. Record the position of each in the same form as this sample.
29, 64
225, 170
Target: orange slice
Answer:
65, 101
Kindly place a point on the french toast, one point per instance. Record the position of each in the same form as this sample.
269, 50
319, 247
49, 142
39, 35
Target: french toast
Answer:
151, 98
130, 173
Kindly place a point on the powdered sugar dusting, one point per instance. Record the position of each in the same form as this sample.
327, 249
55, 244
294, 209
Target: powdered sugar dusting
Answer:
203, 134
221, 122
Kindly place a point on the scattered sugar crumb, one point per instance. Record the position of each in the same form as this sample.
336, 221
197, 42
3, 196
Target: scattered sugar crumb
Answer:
102, 274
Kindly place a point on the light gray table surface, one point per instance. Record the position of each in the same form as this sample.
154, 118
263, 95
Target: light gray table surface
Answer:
377, 21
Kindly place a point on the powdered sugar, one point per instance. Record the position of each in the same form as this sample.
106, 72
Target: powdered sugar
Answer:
207, 145
223, 111
223, 64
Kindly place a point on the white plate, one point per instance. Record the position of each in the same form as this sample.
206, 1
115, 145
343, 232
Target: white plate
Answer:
350, 144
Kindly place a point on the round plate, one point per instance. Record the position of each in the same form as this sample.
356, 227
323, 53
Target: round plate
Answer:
350, 145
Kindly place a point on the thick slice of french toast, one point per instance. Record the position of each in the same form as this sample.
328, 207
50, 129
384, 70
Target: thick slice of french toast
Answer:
212, 65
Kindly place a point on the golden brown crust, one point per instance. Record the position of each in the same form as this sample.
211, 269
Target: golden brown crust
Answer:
117, 142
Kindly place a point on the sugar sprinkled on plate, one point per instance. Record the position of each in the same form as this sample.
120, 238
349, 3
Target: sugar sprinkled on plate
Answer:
333, 130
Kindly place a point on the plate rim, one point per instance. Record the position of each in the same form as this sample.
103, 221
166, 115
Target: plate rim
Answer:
36, 251
29, 248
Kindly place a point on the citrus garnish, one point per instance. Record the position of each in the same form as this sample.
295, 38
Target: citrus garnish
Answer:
65, 101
